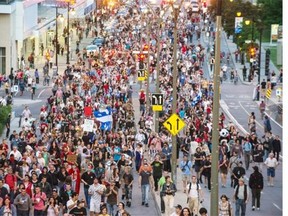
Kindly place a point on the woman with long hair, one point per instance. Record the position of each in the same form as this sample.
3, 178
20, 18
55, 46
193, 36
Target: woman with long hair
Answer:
52, 208
185, 212
8, 209
225, 208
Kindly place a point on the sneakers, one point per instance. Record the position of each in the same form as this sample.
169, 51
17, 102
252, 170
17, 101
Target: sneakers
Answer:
258, 209
123, 196
146, 205
253, 208
143, 203
128, 204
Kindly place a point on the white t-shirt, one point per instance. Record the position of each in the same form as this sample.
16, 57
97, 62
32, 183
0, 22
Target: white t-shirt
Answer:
193, 192
70, 202
271, 162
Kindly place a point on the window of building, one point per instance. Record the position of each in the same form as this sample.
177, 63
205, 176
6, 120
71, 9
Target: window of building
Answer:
2, 60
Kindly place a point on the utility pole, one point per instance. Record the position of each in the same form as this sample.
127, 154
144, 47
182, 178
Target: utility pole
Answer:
68, 35
147, 69
158, 72
174, 93
215, 121
56, 35
259, 57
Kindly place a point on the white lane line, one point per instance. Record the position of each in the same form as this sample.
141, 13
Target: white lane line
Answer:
277, 206
274, 121
41, 93
249, 114
16, 93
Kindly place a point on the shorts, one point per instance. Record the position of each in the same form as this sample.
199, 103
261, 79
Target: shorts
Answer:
186, 177
271, 172
94, 206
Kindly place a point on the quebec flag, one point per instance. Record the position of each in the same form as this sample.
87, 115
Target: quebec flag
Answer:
105, 117
197, 98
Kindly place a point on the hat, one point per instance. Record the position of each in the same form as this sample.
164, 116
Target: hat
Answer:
255, 168
178, 206
54, 190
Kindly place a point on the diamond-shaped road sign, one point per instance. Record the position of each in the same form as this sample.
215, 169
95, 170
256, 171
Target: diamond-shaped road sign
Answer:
174, 124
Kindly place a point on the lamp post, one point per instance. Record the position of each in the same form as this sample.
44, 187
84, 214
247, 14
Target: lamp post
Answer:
56, 35
176, 10
68, 35
215, 121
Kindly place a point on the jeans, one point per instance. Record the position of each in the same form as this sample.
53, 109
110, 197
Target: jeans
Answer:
162, 202
247, 159
240, 203
111, 208
145, 193
38, 212
87, 197
128, 192
156, 179
22, 213
256, 193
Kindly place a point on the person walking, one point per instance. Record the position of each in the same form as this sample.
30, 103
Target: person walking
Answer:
185, 166
247, 149
96, 191
238, 172
256, 185
271, 163
258, 154
241, 197
194, 195
145, 181
276, 146
225, 208
267, 124
161, 182
168, 191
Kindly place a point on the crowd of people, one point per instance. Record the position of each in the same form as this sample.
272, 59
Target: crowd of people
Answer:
88, 133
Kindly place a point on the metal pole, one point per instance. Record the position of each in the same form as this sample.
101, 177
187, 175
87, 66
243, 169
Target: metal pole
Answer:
68, 35
148, 71
174, 95
259, 59
158, 74
215, 122
56, 33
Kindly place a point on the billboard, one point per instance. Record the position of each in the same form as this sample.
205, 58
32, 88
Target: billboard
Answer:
238, 25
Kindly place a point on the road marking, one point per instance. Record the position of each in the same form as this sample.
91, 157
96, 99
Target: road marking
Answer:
274, 121
249, 114
16, 93
277, 206
41, 93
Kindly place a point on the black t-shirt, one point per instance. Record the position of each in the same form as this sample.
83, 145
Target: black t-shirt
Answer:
78, 211
88, 177
128, 178
145, 177
263, 85
157, 168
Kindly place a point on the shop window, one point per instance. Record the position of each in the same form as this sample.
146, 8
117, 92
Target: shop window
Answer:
2, 60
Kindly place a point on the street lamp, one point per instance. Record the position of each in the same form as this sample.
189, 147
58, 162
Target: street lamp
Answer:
247, 22
238, 14
215, 120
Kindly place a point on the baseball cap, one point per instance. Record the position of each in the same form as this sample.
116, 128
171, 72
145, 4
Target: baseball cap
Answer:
178, 206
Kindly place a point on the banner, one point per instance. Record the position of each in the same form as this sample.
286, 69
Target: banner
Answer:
88, 125
238, 25
274, 32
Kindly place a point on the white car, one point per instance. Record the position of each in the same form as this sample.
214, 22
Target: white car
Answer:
92, 49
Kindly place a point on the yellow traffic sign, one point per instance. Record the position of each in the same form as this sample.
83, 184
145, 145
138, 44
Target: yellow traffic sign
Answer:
157, 107
142, 75
174, 124
268, 93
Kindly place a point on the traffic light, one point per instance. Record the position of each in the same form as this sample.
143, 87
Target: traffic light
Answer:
204, 4
267, 62
145, 47
141, 57
252, 52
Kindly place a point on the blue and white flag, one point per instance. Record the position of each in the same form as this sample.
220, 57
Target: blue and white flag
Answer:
196, 99
106, 126
103, 115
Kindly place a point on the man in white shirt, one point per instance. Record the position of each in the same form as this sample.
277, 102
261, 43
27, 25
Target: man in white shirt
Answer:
72, 202
16, 153
26, 113
95, 190
194, 195
271, 163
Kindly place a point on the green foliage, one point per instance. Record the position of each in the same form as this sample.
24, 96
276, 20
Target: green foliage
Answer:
4, 112
271, 12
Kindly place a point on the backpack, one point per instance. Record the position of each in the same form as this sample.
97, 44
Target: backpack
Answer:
190, 187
